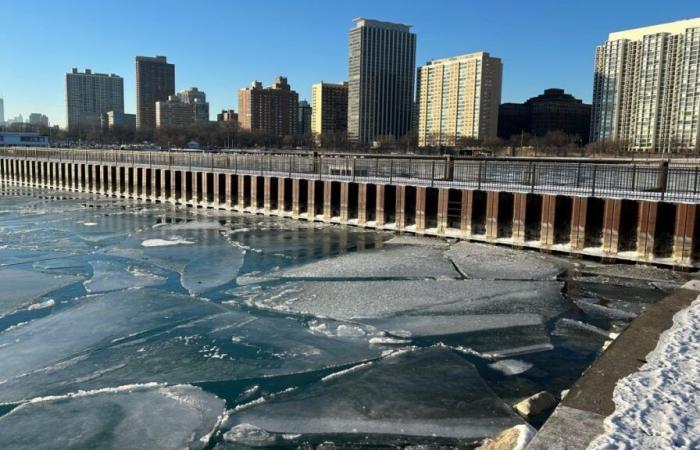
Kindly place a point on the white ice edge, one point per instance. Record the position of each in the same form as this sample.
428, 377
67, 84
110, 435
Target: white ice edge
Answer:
165, 242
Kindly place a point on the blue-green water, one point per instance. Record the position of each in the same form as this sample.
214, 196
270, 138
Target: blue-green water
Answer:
135, 325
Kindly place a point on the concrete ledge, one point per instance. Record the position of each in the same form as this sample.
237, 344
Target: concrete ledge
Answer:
568, 428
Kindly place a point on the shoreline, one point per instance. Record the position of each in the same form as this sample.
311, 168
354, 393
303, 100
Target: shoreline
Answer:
580, 416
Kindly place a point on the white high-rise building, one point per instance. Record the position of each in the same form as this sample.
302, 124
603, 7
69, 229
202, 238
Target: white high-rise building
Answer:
458, 97
90, 95
381, 71
646, 90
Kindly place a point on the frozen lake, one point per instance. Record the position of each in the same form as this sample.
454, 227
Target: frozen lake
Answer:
126, 324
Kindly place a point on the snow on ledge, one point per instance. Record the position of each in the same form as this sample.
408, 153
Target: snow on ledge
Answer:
659, 406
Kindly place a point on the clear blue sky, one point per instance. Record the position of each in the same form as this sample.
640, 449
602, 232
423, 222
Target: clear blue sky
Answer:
221, 46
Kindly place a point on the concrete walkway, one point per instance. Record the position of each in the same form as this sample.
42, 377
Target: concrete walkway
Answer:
580, 416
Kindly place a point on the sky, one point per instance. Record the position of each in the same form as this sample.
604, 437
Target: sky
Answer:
222, 46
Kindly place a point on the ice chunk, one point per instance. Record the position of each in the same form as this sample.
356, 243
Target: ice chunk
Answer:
511, 366
129, 417
91, 324
207, 262
403, 262
349, 300
165, 242
20, 287
112, 276
161, 344
382, 398
489, 262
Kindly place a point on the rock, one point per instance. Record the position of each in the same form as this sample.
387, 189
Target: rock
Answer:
540, 402
514, 438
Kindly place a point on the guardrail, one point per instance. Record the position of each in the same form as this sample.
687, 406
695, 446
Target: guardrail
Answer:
644, 180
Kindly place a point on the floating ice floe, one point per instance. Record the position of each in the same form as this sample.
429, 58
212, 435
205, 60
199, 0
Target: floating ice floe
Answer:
400, 262
113, 275
348, 300
134, 417
129, 336
382, 399
511, 366
20, 287
45, 347
165, 242
489, 262
204, 261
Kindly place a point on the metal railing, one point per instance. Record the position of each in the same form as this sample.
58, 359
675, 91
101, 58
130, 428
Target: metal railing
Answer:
641, 180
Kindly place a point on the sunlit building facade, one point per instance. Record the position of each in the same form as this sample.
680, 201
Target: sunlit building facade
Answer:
458, 97
646, 89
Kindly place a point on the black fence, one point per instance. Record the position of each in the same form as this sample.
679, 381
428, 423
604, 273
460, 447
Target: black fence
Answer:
642, 180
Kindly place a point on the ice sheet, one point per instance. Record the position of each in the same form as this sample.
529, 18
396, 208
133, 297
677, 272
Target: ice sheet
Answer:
403, 262
93, 323
164, 346
372, 299
20, 288
381, 398
114, 275
490, 262
128, 417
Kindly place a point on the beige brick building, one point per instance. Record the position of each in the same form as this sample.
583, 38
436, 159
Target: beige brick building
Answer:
458, 97
329, 108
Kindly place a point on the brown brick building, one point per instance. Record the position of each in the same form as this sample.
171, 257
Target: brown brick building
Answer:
272, 110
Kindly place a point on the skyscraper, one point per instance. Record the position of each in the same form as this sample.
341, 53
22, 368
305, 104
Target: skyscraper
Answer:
646, 89
459, 97
329, 108
38, 119
90, 95
155, 81
381, 68
2, 111
272, 110
304, 112
198, 100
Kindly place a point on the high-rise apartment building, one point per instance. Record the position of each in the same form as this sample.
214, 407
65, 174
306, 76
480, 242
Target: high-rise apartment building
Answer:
458, 97
381, 70
646, 89
115, 119
198, 101
329, 108
228, 116
272, 110
38, 119
155, 81
173, 113
90, 95
304, 112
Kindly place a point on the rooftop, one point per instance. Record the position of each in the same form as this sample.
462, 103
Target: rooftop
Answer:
362, 22
636, 34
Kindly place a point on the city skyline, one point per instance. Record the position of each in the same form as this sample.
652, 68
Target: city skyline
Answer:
318, 46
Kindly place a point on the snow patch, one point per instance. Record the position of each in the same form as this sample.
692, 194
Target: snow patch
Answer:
659, 406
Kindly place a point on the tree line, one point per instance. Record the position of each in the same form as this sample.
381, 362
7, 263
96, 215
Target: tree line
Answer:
228, 135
